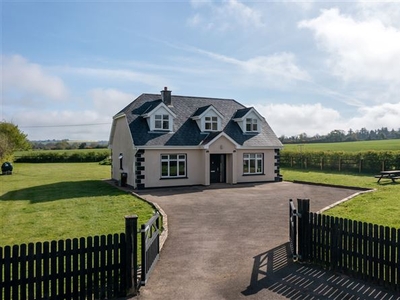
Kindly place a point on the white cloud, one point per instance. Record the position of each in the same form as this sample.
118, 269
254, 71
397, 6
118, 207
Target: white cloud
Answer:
358, 50
64, 124
26, 79
91, 124
291, 120
278, 64
388, 12
110, 101
276, 70
117, 74
312, 119
378, 116
229, 15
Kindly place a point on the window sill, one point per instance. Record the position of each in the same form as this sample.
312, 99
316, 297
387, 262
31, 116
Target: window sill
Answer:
168, 178
160, 131
255, 174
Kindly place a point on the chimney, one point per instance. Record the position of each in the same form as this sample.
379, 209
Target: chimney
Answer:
166, 97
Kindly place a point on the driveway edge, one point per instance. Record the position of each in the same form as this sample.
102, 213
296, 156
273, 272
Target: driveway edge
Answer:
362, 191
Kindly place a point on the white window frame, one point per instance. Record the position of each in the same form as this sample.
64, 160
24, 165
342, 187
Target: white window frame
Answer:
212, 121
161, 118
174, 159
253, 160
253, 122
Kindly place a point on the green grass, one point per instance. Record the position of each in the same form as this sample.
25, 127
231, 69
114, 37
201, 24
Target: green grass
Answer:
42, 202
348, 146
380, 207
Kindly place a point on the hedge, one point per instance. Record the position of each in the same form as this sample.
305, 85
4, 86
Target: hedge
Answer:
362, 161
67, 156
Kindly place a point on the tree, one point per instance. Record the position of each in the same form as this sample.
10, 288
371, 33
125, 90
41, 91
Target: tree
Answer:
11, 139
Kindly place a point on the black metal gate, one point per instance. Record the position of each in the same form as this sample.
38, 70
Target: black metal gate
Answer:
298, 229
293, 228
150, 246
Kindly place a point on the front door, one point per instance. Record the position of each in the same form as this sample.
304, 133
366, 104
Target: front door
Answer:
217, 168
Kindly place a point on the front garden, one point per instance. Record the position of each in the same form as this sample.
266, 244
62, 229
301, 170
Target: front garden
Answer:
380, 207
43, 202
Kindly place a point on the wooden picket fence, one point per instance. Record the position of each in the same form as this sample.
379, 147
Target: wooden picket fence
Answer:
99, 267
362, 250
84, 268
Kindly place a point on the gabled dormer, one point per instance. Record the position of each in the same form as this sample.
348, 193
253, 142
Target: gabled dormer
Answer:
160, 117
208, 118
248, 119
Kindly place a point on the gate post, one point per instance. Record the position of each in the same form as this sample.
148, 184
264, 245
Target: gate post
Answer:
303, 228
293, 229
131, 276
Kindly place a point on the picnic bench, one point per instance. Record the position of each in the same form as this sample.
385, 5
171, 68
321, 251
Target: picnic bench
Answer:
393, 175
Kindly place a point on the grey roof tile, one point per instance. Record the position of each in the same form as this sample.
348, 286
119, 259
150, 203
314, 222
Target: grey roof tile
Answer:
185, 130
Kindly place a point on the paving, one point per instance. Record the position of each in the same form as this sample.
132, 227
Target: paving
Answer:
231, 242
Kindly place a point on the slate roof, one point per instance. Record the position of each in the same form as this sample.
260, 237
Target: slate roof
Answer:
185, 130
200, 110
241, 113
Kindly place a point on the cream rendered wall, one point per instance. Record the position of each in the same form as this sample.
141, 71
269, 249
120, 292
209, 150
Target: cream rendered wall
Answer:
222, 146
269, 166
194, 165
122, 143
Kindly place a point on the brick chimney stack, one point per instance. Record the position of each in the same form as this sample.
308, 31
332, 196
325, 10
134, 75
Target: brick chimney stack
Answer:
166, 96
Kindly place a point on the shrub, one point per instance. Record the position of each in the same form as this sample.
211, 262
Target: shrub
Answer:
49, 156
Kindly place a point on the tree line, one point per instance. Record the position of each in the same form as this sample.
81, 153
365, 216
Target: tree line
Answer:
13, 139
67, 145
341, 136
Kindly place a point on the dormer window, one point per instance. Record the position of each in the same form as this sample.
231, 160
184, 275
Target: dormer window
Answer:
211, 123
161, 122
159, 117
249, 120
208, 118
251, 125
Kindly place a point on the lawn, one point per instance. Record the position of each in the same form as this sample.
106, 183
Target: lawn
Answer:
43, 202
380, 207
381, 145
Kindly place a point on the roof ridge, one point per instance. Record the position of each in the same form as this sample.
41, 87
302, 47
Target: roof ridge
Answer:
196, 97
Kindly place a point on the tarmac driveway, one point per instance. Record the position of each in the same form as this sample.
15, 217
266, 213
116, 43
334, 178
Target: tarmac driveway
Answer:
230, 242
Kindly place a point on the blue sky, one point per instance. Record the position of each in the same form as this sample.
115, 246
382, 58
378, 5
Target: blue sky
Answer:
307, 67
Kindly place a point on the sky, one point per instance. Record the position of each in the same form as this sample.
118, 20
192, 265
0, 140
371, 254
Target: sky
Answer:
307, 66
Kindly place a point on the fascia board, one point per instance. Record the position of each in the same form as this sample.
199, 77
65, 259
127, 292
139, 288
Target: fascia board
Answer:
206, 146
169, 147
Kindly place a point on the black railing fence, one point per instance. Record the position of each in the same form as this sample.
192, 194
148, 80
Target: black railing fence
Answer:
362, 250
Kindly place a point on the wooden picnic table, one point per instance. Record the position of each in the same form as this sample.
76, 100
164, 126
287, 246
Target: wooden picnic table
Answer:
393, 175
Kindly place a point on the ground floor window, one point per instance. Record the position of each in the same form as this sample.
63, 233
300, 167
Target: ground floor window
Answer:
253, 163
173, 165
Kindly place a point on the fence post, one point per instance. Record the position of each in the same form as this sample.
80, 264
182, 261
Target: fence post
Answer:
303, 208
131, 231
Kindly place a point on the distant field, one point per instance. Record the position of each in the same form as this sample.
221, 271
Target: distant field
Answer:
347, 146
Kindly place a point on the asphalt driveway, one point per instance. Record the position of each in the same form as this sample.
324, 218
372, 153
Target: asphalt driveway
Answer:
230, 242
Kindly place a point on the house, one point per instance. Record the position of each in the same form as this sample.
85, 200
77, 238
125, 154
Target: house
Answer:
162, 140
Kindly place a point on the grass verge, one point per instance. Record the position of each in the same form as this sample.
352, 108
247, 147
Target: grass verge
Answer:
43, 202
381, 207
